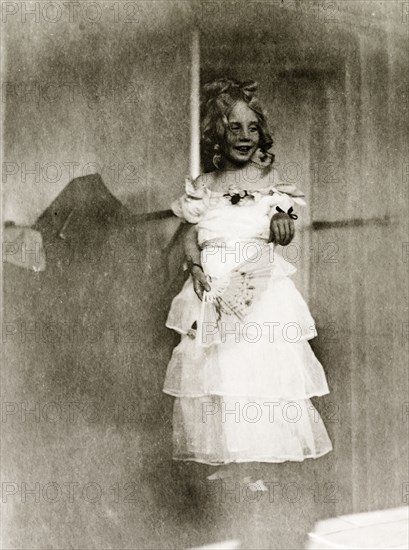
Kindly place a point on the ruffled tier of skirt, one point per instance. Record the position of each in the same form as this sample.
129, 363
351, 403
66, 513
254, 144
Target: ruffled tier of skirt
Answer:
260, 369
218, 430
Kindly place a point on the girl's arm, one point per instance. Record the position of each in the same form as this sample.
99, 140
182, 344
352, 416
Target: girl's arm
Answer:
192, 252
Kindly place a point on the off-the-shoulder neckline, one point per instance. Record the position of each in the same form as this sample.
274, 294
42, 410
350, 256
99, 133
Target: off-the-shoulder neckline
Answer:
201, 180
266, 191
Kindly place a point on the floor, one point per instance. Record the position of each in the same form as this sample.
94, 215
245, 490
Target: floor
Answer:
83, 485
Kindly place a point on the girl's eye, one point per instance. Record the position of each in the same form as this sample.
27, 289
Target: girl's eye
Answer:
236, 128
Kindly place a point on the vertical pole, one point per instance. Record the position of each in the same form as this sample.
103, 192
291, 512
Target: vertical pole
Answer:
195, 105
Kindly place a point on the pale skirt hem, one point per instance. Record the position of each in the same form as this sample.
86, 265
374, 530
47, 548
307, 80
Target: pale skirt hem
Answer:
270, 460
176, 394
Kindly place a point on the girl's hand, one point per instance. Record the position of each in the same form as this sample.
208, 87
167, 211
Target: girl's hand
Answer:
200, 282
281, 229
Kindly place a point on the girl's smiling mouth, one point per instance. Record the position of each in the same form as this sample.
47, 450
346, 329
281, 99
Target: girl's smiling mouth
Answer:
243, 148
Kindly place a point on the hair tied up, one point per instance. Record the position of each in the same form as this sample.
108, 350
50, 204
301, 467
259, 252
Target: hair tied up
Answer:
249, 89
228, 85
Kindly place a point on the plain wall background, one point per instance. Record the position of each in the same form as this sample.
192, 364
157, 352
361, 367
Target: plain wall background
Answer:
111, 96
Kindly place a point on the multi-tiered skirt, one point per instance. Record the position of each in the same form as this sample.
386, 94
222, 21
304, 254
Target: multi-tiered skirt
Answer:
247, 396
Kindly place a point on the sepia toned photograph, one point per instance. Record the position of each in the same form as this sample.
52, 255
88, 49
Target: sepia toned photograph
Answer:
205, 275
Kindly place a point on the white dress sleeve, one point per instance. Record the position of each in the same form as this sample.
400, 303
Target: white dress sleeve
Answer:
193, 203
285, 197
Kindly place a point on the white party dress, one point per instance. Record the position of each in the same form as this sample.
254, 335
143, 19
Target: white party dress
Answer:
244, 395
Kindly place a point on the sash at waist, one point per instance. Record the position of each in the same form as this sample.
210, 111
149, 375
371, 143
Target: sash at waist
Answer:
231, 243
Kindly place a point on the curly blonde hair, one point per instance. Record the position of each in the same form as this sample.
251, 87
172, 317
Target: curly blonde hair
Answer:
218, 98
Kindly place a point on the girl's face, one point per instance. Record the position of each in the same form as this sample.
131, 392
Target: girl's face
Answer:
242, 134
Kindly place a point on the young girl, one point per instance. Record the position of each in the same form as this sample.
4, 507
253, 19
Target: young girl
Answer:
244, 372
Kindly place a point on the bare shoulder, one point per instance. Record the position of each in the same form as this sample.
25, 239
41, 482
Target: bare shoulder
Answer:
207, 180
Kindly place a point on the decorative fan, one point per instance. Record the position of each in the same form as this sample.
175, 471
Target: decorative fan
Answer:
231, 297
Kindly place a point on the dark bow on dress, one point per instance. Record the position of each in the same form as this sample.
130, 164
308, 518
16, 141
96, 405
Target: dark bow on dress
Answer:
290, 212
